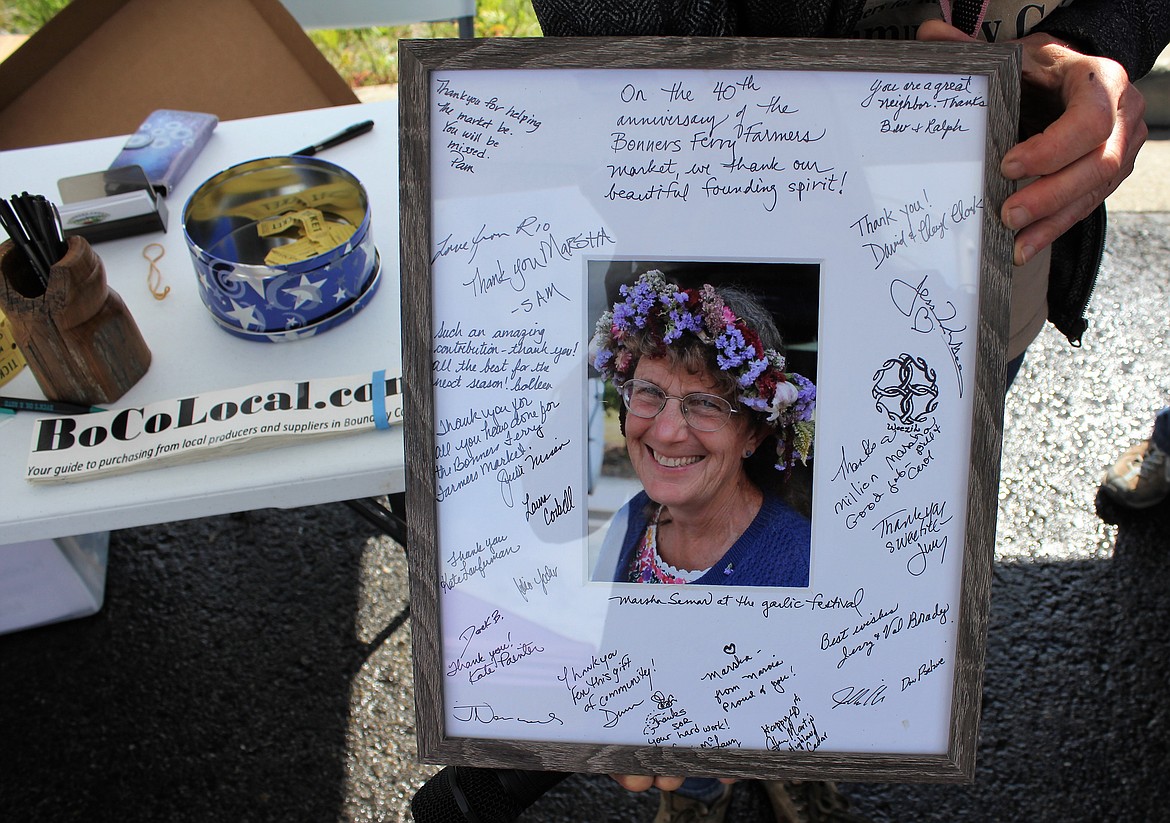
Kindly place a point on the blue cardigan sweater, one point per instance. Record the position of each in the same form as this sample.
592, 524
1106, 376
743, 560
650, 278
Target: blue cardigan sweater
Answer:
773, 551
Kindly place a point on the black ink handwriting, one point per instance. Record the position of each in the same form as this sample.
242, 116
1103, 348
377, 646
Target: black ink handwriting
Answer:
484, 713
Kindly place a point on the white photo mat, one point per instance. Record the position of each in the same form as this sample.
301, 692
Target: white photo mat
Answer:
526, 163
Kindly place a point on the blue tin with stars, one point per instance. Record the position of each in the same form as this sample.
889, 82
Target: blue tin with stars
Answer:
282, 247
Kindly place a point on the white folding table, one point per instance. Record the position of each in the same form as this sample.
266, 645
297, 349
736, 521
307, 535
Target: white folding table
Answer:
190, 354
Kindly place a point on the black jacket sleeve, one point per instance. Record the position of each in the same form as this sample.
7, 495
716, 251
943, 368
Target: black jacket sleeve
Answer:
700, 18
1132, 32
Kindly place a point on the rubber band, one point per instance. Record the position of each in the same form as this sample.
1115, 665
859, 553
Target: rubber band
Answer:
378, 397
154, 276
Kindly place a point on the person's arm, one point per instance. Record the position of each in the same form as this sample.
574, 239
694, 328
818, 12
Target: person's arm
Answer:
1132, 32
1090, 124
1079, 66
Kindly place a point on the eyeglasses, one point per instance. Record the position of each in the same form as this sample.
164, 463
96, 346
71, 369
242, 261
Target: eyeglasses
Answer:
703, 412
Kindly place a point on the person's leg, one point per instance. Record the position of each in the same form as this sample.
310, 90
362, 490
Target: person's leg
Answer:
706, 789
697, 800
809, 801
1161, 435
1141, 476
1013, 368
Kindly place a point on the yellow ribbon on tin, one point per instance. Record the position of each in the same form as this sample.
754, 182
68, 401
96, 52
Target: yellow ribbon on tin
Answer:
341, 198
317, 236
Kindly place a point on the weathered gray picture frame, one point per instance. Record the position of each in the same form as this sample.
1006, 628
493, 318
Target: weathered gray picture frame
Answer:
430, 171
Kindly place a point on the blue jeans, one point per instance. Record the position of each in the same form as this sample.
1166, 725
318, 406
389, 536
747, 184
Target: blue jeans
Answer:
1161, 435
1013, 368
704, 789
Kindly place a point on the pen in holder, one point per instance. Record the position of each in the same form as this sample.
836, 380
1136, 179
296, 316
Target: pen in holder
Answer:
76, 334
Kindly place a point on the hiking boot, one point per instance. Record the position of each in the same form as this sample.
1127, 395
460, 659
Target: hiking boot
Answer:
1140, 478
809, 801
674, 808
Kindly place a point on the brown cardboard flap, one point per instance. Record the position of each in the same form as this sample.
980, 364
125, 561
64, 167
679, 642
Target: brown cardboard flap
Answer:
101, 66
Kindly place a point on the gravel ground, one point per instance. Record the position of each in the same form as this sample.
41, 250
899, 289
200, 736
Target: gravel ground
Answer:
256, 666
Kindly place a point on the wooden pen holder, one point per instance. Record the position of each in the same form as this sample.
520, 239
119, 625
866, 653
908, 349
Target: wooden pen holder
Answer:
78, 337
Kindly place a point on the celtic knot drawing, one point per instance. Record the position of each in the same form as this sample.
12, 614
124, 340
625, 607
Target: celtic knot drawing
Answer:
906, 389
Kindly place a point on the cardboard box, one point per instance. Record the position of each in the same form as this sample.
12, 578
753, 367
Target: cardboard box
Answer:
101, 66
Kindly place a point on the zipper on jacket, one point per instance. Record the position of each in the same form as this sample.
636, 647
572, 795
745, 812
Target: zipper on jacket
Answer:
1072, 277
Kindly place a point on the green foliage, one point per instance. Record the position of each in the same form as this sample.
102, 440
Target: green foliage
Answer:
364, 57
26, 16
506, 18
368, 57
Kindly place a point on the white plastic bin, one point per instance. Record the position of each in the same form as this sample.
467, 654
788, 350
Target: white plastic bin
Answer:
46, 581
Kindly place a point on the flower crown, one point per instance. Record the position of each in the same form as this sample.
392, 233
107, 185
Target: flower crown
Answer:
785, 400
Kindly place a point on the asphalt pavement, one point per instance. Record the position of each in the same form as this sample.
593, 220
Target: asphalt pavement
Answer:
256, 666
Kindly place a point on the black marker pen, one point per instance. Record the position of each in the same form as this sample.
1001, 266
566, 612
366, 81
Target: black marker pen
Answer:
350, 133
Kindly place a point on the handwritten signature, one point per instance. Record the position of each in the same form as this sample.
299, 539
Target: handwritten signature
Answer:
449, 245
859, 696
923, 671
914, 301
484, 713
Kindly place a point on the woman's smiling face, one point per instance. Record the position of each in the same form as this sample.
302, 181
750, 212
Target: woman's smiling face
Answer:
680, 466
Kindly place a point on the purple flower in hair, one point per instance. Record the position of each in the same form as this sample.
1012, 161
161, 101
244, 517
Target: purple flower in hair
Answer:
806, 400
681, 321
621, 316
733, 349
754, 369
641, 300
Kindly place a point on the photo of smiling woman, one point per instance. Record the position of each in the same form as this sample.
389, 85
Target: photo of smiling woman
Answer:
714, 424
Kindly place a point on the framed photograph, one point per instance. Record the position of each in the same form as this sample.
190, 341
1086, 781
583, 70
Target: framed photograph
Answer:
704, 386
